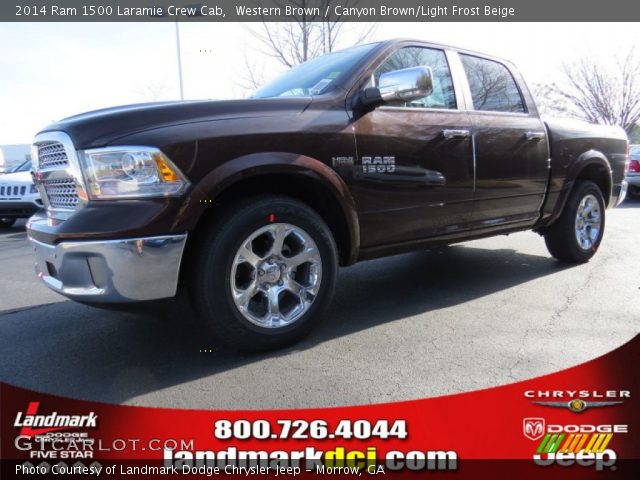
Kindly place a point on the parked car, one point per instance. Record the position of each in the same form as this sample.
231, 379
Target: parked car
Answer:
250, 206
633, 174
19, 197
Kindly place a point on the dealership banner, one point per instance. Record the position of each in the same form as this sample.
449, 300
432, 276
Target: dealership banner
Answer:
580, 423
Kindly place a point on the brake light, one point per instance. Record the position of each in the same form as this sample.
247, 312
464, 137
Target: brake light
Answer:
634, 166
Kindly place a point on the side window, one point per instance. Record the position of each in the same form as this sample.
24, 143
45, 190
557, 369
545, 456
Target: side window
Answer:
492, 86
443, 95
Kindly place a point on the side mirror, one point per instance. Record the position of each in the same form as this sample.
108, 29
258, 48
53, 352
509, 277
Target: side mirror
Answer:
406, 85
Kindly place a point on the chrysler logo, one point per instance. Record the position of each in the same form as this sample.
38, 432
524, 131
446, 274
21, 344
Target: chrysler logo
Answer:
577, 405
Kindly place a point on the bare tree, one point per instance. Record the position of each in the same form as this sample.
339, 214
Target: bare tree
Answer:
254, 76
153, 90
590, 91
548, 101
307, 36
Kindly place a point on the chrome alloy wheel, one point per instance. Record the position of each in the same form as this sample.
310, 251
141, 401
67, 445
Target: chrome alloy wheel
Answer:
588, 222
276, 275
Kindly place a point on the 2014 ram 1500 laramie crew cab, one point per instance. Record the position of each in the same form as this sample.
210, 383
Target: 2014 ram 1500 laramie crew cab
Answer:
250, 206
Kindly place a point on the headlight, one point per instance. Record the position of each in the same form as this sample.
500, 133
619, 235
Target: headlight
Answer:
121, 172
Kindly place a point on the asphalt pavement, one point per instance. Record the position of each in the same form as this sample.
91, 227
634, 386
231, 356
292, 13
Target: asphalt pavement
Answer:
460, 318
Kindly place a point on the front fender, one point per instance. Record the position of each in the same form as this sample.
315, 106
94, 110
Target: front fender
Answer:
241, 168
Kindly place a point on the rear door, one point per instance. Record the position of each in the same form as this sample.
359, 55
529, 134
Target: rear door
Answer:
415, 168
511, 151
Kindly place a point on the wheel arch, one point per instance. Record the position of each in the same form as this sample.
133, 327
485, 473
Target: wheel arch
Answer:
591, 165
594, 166
297, 176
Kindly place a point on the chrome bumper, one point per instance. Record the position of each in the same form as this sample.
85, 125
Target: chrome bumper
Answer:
112, 271
623, 193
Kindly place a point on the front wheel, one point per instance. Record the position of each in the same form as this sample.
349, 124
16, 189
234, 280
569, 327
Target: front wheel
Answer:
576, 235
263, 273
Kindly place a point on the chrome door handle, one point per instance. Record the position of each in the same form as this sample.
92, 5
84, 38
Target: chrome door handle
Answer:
451, 134
534, 136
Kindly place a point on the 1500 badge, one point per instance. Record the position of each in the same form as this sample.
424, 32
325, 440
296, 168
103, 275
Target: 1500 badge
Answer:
377, 164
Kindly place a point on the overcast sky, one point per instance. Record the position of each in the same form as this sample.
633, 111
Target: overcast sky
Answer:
52, 70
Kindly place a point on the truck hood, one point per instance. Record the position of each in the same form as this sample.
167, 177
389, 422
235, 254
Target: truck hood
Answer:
18, 177
100, 127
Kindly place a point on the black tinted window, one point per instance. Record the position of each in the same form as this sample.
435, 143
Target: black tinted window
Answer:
316, 76
492, 86
443, 95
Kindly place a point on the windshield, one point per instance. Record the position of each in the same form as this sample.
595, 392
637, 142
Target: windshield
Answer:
316, 76
25, 167
634, 151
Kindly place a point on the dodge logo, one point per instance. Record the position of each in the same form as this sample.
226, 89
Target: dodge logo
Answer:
533, 428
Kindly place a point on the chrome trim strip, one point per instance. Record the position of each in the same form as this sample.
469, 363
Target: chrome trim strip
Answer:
460, 88
420, 109
473, 154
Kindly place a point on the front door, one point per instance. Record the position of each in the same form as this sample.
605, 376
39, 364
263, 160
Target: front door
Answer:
415, 160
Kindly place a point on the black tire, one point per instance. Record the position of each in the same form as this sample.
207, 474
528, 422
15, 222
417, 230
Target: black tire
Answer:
209, 275
561, 237
7, 222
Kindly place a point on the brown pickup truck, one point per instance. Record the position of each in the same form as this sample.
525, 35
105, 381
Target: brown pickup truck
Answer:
250, 206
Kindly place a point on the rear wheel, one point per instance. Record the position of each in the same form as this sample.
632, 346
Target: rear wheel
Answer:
7, 222
264, 272
576, 235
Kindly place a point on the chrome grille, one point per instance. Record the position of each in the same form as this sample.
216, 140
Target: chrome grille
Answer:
61, 193
51, 154
57, 174
13, 191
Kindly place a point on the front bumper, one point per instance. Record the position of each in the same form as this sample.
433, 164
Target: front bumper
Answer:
18, 209
621, 192
112, 271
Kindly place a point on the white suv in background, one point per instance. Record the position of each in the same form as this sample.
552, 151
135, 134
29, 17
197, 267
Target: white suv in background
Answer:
19, 197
